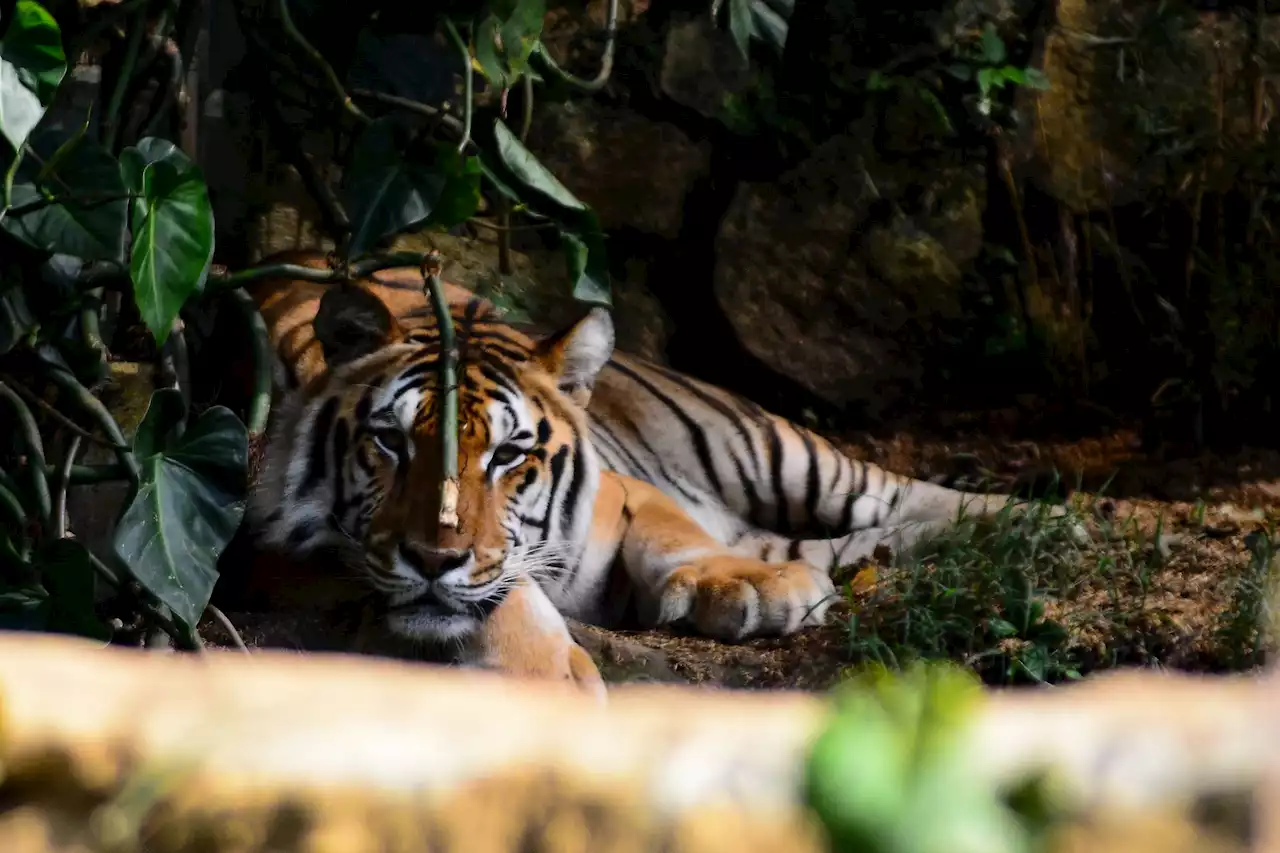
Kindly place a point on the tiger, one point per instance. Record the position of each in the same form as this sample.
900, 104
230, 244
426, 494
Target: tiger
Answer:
593, 485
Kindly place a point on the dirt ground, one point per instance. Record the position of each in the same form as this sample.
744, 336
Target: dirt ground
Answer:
1206, 507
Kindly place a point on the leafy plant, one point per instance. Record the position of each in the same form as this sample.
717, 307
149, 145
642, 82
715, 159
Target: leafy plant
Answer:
890, 773
112, 205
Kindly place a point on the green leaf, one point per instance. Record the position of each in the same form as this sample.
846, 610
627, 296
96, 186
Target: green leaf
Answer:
384, 190
460, 198
90, 219
488, 56
741, 25
32, 65
993, 51
525, 166
890, 772
71, 582
172, 231
16, 319
506, 38
24, 608
521, 32
1001, 629
988, 78
588, 267
1036, 79
189, 505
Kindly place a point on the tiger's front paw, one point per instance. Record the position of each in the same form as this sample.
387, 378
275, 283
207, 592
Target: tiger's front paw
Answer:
733, 598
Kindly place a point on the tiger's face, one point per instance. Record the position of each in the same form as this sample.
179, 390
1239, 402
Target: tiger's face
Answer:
366, 472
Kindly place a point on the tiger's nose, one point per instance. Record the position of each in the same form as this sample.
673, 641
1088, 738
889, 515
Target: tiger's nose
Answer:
430, 562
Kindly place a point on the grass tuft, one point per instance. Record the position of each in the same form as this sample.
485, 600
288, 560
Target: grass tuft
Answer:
1022, 598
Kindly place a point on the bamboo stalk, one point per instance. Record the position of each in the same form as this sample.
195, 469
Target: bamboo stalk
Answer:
431, 268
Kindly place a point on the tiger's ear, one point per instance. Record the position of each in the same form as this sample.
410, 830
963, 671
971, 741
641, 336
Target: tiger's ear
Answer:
575, 355
351, 322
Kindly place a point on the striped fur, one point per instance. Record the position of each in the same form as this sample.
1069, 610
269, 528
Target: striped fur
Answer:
591, 480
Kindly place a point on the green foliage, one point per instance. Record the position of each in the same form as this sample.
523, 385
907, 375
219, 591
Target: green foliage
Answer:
890, 774
390, 187
189, 504
106, 204
978, 592
506, 38
172, 224
90, 222
32, 65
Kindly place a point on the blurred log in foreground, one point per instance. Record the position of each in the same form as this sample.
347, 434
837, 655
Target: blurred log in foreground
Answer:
123, 750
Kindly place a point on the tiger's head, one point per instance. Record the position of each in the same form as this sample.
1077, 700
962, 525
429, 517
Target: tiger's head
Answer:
359, 468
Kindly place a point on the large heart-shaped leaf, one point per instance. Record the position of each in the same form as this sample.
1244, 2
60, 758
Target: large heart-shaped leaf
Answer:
526, 167
505, 39
75, 202
32, 65
189, 505
172, 231
588, 264
71, 584
388, 188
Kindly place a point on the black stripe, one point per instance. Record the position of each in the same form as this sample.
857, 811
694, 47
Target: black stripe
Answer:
846, 515
700, 444
574, 492
318, 461
495, 351
418, 370
813, 481
496, 376
557, 474
720, 407
364, 406
393, 284
755, 510
793, 550
640, 471
341, 438
544, 431
783, 516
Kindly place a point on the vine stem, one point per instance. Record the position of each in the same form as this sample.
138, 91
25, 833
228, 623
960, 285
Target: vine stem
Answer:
94, 406
606, 60
64, 483
330, 75
30, 433
228, 626
260, 407
53, 413
468, 83
431, 268
112, 117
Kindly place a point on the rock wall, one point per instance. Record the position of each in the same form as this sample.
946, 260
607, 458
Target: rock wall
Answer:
826, 230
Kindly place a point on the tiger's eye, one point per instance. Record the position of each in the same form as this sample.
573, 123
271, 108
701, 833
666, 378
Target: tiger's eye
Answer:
390, 441
505, 455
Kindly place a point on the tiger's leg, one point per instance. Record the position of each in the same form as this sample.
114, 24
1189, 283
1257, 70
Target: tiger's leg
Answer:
828, 555
683, 573
526, 637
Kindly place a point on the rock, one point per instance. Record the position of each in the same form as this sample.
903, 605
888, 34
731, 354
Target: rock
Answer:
538, 288
1130, 85
701, 66
837, 273
634, 172
574, 32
